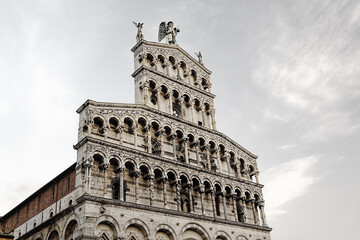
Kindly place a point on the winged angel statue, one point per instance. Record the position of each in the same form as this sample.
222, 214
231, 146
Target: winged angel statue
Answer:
139, 34
168, 31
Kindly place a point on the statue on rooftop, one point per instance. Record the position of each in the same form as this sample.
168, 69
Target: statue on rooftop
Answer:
199, 57
139, 35
168, 31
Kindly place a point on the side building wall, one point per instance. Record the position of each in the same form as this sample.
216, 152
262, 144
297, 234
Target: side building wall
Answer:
49, 194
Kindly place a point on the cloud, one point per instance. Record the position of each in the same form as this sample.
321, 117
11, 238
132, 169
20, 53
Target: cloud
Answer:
287, 182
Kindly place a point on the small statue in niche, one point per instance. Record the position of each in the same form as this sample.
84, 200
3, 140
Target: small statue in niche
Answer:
168, 31
139, 35
199, 56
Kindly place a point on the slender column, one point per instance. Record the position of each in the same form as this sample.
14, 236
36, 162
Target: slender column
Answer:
178, 197
105, 167
213, 122
119, 130
173, 138
192, 112
190, 187
213, 195
121, 170
243, 202
161, 134
219, 160
148, 128
196, 145
207, 148
254, 211
164, 180
167, 67
234, 205
238, 174
202, 190
87, 165
262, 213
257, 176
203, 115
136, 175
170, 103
223, 194
181, 102
134, 130
151, 189
227, 157
146, 93
185, 142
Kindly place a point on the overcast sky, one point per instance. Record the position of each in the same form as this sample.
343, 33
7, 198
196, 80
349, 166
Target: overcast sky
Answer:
286, 75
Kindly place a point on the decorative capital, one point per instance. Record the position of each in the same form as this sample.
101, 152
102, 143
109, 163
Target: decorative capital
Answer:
136, 173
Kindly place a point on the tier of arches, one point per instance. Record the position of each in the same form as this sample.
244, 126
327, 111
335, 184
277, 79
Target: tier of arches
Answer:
173, 142
138, 182
175, 68
106, 227
180, 104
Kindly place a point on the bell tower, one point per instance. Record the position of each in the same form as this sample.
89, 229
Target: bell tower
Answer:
168, 79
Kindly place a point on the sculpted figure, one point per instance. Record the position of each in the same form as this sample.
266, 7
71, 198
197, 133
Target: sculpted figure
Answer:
168, 31
199, 57
139, 34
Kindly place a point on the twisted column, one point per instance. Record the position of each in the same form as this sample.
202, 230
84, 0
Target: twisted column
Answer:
213, 195
178, 197
185, 141
207, 149
234, 205
151, 189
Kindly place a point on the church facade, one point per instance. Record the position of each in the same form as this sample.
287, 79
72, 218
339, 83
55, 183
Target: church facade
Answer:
157, 169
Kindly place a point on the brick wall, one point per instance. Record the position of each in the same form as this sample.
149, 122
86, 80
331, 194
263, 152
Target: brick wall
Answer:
41, 199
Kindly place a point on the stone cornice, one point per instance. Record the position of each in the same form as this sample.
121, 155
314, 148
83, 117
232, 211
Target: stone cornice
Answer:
146, 68
162, 45
90, 139
87, 197
143, 107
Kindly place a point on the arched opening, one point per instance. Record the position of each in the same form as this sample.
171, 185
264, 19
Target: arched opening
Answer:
54, 235
135, 232
71, 230
208, 198
149, 60
129, 182
184, 194
98, 125
218, 194
129, 125
213, 155
171, 190
203, 153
